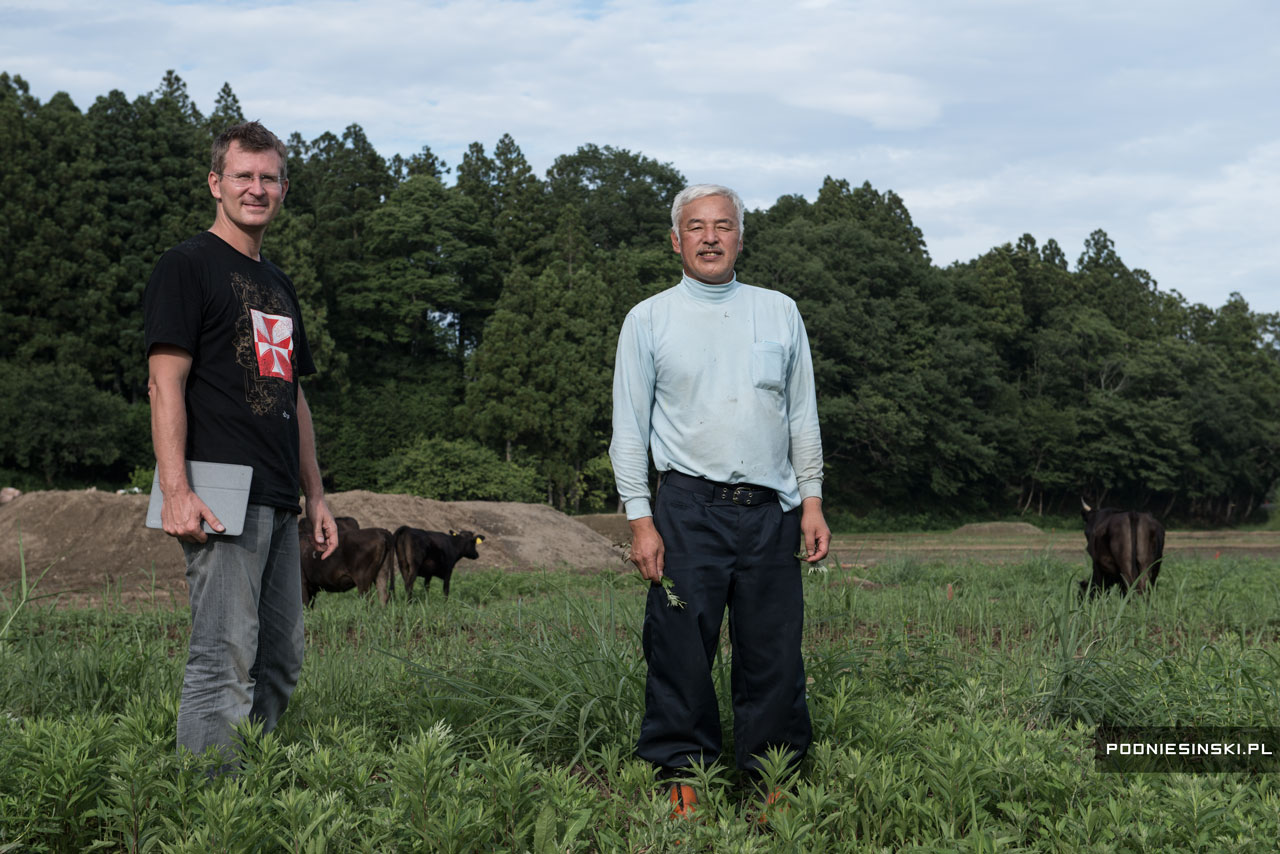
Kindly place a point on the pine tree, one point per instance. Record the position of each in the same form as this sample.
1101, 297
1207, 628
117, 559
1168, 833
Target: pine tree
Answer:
542, 377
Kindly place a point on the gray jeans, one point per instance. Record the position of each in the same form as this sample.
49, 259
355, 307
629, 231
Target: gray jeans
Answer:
246, 647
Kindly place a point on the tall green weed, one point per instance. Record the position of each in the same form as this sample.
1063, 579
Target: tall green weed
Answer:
953, 710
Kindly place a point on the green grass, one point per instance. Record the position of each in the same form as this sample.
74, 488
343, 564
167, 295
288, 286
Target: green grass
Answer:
504, 718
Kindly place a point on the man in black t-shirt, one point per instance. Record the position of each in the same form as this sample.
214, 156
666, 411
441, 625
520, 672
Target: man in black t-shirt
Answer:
225, 348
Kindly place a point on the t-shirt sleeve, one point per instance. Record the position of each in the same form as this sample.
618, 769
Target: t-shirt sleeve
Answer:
172, 304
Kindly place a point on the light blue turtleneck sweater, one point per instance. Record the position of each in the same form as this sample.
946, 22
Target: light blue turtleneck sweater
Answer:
717, 381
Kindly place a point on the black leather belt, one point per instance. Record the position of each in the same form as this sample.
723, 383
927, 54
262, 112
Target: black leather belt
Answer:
747, 494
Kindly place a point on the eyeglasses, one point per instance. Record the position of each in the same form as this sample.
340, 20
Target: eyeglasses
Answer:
246, 179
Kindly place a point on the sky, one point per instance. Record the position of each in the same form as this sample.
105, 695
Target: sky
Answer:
1158, 122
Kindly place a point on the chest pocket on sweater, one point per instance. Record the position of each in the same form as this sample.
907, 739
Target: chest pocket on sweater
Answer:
768, 366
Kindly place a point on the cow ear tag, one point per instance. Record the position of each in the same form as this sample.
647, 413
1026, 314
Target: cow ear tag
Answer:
453, 533
479, 540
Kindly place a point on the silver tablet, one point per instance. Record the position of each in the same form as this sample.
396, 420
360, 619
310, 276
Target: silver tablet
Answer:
223, 486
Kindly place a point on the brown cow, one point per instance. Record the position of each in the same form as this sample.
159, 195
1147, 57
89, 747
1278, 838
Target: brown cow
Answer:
432, 553
1127, 548
364, 558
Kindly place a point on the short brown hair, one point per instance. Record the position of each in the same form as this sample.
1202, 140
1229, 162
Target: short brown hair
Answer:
252, 136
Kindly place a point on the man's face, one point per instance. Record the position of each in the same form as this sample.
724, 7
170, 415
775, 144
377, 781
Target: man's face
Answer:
250, 189
708, 239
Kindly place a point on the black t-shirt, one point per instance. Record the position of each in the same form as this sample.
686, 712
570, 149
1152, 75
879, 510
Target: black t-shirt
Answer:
240, 321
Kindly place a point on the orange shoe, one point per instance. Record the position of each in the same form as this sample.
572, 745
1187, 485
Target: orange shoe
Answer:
774, 797
683, 800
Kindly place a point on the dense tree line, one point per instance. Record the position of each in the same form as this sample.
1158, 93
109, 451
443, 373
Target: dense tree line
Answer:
467, 325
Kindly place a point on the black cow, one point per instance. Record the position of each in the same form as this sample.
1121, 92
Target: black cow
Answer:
344, 523
364, 558
432, 553
1127, 548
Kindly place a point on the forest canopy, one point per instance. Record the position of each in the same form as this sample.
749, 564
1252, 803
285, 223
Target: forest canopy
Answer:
464, 320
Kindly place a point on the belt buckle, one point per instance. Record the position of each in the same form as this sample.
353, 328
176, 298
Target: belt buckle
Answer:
742, 489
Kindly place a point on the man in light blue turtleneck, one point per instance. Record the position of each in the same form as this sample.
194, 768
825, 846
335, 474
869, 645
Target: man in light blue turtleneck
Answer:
715, 378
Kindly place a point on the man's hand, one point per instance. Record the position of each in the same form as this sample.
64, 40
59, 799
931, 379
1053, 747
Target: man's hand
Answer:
324, 531
647, 550
817, 536
182, 515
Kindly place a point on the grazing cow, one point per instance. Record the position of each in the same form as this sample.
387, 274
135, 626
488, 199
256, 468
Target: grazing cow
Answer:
1126, 546
364, 559
344, 523
432, 553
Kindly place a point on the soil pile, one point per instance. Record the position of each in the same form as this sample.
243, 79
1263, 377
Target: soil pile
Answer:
613, 526
94, 541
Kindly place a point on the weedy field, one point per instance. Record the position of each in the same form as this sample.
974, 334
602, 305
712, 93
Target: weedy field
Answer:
954, 708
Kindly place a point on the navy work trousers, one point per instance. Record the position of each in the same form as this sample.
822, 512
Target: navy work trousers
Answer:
720, 554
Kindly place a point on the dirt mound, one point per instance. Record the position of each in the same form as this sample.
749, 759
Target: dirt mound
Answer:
518, 536
95, 541
997, 529
612, 526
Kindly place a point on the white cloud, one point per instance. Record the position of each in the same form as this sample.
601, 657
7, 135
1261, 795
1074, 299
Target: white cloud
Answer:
1222, 234
990, 117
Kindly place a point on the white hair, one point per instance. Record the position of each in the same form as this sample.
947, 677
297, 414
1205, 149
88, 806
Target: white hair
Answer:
700, 191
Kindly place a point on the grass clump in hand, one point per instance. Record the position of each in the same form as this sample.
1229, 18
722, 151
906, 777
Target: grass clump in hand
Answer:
668, 587
821, 566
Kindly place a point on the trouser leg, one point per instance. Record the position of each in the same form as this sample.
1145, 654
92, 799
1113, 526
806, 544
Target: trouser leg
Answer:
766, 621
226, 577
681, 724
278, 665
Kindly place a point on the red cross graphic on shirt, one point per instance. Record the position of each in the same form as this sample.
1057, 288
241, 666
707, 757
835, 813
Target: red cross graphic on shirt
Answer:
273, 343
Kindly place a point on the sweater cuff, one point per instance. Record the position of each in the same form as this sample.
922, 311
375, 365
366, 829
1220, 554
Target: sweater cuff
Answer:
638, 508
